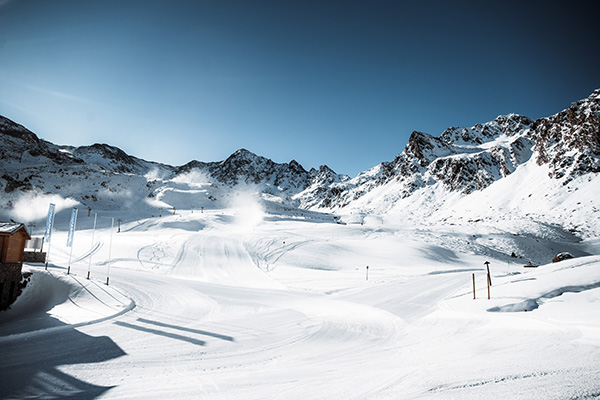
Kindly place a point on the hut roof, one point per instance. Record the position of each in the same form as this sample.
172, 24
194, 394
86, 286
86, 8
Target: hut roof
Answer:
12, 227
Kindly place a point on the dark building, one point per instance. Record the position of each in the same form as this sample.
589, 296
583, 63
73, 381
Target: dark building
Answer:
12, 246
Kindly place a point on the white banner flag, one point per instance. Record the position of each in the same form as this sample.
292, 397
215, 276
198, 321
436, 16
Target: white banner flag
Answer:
49, 223
72, 227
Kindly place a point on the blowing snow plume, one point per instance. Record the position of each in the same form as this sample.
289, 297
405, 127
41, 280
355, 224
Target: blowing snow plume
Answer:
247, 210
192, 178
31, 207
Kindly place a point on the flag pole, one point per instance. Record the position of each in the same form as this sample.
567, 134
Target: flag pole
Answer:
92, 248
71, 236
49, 228
110, 250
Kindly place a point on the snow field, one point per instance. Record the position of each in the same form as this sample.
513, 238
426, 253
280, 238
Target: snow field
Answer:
280, 307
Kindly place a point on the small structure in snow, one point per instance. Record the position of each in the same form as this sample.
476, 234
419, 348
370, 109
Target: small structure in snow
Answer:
12, 246
33, 250
561, 256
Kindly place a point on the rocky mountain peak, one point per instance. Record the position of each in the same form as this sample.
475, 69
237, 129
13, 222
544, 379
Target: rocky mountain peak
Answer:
109, 157
13, 129
296, 167
569, 141
509, 125
243, 154
19, 143
425, 148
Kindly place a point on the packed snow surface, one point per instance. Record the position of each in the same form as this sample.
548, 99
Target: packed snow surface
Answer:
248, 303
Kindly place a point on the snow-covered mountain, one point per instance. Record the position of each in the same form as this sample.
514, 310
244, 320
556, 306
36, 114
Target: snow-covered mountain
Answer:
100, 175
557, 158
468, 159
505, 165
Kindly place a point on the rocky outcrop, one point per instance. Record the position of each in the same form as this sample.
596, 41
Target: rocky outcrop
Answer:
18, 144
569, 142
111, 158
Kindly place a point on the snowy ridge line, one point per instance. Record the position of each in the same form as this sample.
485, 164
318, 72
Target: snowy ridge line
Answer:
481, 175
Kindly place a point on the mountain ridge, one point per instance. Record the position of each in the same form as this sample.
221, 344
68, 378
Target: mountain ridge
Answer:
460, 161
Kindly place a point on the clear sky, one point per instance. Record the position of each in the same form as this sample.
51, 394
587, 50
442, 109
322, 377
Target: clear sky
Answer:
342, 83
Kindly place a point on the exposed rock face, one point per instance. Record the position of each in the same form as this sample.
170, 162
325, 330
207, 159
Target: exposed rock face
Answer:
562, 256
111, 158
244, 166
18, 143
570, 140
462, 159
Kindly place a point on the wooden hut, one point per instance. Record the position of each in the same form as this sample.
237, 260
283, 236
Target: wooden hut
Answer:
12, 246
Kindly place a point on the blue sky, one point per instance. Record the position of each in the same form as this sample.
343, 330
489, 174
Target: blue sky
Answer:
342, 83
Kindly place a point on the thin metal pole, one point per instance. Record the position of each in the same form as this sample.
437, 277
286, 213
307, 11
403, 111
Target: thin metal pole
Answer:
110, 250
474, 286
92, 248
72, 240
49, 245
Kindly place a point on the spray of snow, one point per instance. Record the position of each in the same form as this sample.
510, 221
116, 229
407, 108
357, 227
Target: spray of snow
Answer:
155, 203
154, 175
247, 209
192, 178
31, 207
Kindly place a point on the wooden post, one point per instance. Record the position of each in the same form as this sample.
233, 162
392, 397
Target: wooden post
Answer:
489, 277
488, 285
474, 286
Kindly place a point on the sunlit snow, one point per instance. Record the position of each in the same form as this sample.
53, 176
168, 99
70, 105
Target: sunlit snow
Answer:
252, 301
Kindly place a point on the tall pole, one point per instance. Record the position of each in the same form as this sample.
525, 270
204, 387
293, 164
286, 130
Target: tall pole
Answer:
72, 237
49, 245
49, 227
92, 247
109, 250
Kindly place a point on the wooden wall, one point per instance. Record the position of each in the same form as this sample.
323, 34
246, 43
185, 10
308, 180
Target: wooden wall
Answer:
12, 246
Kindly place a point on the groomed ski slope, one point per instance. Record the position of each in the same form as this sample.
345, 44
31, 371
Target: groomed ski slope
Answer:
217, 305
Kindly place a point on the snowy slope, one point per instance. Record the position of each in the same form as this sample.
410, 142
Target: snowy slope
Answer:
241, 303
